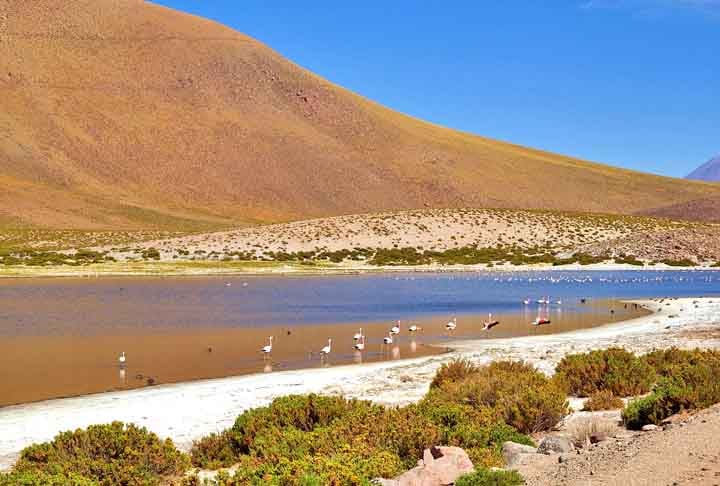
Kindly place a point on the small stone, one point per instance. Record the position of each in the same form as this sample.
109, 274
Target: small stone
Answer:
597, 437
555, 444
649, 428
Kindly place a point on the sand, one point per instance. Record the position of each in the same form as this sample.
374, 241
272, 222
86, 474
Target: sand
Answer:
187, 411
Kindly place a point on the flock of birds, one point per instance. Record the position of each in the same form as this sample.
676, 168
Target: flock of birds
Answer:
359, 337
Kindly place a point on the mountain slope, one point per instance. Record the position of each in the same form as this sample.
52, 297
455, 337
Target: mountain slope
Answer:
121, 113
709, 171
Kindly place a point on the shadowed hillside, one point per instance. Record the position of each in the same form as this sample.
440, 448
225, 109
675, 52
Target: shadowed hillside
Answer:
124, 114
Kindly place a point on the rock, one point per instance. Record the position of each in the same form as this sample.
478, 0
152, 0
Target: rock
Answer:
597, 437
649, 428
555, 445
513, 453
440, 466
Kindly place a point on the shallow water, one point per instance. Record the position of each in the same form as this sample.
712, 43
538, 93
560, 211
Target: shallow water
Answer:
61, 337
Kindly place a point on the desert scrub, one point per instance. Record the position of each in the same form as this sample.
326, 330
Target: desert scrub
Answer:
511, 392
689, 380
614, 369
455, 370
603, 400
485, 477
336, 440
104, 455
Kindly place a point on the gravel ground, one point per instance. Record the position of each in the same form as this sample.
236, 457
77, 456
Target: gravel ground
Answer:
685, 452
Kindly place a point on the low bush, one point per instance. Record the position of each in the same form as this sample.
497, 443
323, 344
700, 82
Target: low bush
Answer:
35, 478
614, 369
689, 380
104, 455
485, 477
603, 400
455, 370
331, 439
510, 392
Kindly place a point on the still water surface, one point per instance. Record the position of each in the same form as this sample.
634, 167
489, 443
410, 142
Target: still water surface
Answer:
61, 337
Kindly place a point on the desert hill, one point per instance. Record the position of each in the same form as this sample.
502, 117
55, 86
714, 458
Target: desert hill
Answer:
124, 114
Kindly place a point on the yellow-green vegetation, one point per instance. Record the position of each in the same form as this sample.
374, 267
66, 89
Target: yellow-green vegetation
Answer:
26, 239
490, 478
614, 369
603, 400
688, 380
101, 455
333, 441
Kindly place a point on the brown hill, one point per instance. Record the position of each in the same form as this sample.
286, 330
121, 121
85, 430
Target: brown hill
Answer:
121, 113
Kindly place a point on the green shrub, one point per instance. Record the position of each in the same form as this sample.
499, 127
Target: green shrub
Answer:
511, 392
455, 370
328, 439
603, 400
106, 454
689, 380
613, 369
36, 478
484, 477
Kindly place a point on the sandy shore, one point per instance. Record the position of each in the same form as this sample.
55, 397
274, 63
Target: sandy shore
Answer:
187, 411
202, 269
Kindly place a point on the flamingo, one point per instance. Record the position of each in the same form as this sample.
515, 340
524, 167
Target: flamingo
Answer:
558, 302
326, 350
388, 339
526, 301
122, 359
490, 323
396, 328
267, 349
358, 335
361, 344
452, 325
414, 328
539, 321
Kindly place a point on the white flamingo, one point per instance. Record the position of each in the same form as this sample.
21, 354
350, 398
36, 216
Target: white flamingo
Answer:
358, 335
526, 301
451, 325
268, 349
122, 359
396, 328
558, 302
360, 345
388, 339
326, 350
414, 328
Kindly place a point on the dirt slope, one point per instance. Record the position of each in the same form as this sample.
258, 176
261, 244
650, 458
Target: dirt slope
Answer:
121, 113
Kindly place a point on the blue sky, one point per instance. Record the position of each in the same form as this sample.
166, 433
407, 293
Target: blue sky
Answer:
634, 83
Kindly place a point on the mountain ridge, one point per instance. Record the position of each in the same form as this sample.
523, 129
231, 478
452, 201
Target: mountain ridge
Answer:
709, 171
127, 114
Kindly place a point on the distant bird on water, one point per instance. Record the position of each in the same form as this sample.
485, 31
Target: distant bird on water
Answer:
358, 335
490, 323
326, 350
395, 329
268, 349
360, 345
414, 328
388, 339
452, 325
122, 359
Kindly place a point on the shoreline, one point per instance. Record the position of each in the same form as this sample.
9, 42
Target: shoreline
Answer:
173, 410
285, 269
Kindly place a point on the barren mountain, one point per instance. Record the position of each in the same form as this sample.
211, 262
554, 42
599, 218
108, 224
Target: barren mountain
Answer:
709, 171
125, 114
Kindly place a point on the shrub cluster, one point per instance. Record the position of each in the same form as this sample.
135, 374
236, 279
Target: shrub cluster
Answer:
100, 455
615, 370
688, 380
335, 440
484, 477
603, 400
510, 392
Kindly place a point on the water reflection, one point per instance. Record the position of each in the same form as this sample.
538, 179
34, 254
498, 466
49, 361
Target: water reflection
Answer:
413, 346
268, 367
357, 357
